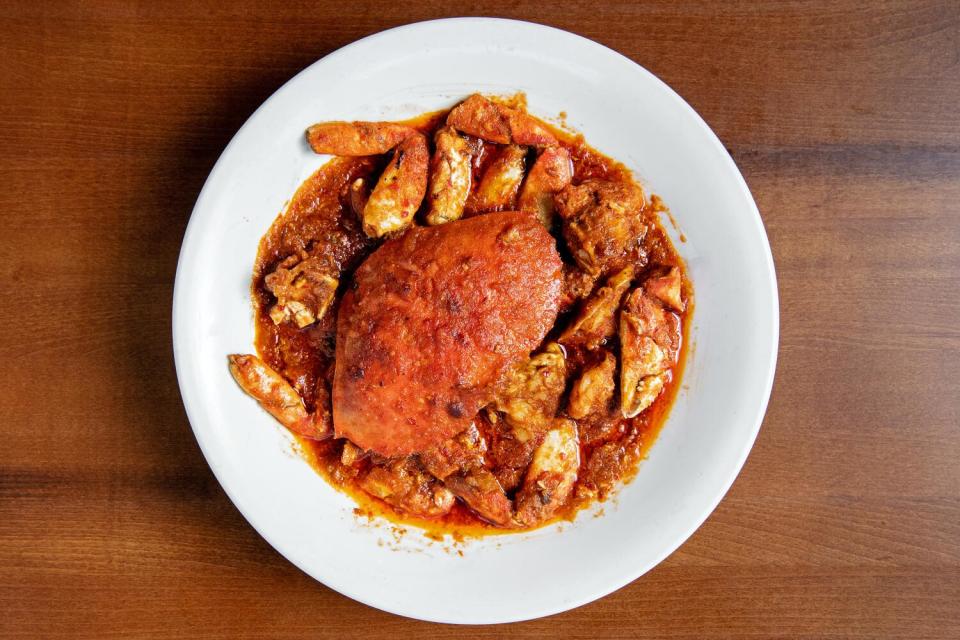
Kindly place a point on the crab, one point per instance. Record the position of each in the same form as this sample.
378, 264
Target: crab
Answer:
429, 326
435, 396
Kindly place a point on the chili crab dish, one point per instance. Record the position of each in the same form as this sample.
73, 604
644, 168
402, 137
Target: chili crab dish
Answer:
468, 318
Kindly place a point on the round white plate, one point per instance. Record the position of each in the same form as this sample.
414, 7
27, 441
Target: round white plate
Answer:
625, 112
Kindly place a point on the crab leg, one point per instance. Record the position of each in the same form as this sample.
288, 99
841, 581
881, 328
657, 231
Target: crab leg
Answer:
356, 138
450, 177
400, 190
551, 173
500, 183
280, 399
483, 118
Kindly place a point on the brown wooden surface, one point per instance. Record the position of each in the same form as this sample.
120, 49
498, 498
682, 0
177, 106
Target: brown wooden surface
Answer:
845, 120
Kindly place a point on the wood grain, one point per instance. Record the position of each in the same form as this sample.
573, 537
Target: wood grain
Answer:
843, 117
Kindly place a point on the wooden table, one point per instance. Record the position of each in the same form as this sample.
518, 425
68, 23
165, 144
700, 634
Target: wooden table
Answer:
845, 120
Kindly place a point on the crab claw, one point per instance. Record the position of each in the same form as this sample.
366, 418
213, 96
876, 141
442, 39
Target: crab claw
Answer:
280, 399
356, 138
478, 116
400, 190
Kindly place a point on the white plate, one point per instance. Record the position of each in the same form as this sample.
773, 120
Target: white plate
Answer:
625, 112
